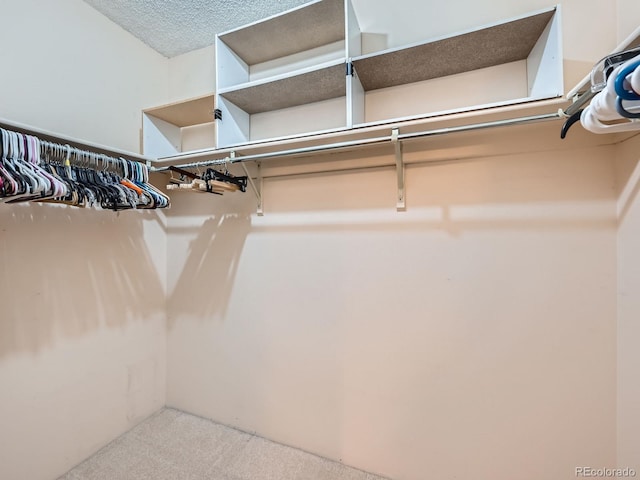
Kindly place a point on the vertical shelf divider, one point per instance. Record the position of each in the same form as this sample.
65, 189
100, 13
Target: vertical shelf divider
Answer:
355, 99
160, 138
230, 68
544, 63
235, 125
353, 48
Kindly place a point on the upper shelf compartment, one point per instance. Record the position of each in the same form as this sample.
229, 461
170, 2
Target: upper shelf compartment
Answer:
513, 61
308, 86
303, 28
309, 35
310, 100
177, 127
485, 47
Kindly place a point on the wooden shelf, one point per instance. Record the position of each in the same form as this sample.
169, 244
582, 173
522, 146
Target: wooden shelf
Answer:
186, 113
485, 47
312, 85
304, 28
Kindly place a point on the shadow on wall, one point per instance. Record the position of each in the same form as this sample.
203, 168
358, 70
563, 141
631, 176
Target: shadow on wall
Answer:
68, 271
212, 249
528, 192
524, 192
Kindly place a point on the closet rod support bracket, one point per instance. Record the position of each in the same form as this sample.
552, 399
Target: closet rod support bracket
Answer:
256, 189
401, 205
261, 184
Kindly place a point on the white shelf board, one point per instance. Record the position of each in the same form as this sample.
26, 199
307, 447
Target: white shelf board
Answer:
303, 28
306, 86
488, 107
474, 49
283, 76
185, 113
301, 137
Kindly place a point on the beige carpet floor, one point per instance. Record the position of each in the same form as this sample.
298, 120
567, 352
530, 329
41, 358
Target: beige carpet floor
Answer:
173, 445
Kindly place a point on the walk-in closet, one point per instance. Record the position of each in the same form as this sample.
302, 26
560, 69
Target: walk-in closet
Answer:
319, 240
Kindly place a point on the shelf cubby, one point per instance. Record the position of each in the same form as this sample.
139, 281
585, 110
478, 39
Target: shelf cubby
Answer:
180, 126
508, 62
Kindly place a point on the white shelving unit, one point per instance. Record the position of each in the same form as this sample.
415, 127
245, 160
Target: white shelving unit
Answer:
303, 72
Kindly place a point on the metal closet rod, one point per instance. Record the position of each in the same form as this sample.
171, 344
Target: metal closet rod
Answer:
367, 141
74, 142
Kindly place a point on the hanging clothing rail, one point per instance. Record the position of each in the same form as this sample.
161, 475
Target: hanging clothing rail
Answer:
74, 142
363, 142
36, 170
395, 138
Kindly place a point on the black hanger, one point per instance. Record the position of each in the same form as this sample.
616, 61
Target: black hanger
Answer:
569, 123
240, 182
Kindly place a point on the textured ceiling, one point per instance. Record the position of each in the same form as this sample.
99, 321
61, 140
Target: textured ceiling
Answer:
173, 27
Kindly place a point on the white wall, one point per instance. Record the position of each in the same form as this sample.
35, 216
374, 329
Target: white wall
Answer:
70, 70
628, 18
628, 170
82, 323
628, 174
452, 339
82, 333
192, 74
472, 336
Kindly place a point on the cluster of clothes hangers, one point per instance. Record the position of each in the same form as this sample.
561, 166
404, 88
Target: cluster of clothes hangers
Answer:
615, 90
211, 181
36, 170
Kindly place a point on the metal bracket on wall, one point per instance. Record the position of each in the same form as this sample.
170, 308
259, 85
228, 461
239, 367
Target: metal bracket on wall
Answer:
256, 190
401, 204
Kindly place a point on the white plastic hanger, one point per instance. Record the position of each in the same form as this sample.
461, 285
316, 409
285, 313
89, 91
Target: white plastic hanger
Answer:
602, 109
